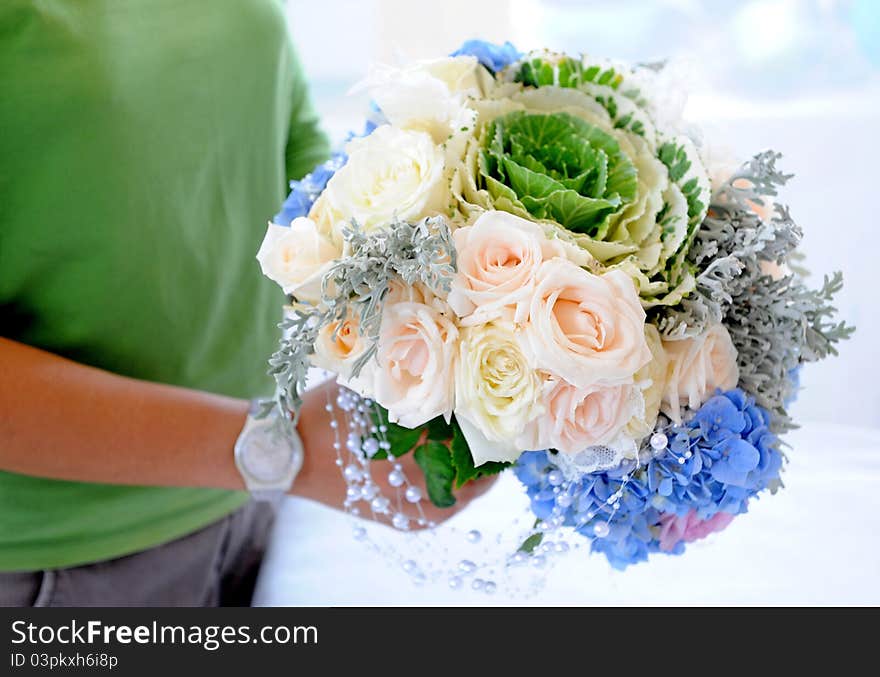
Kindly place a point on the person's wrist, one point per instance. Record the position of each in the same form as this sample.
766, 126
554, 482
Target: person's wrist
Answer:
319, 478
219, 433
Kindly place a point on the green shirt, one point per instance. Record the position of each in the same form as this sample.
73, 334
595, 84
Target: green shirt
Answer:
143, 147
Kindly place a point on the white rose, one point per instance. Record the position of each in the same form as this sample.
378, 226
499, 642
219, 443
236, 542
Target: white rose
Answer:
698, 366
496, 391
586, 328
413, 375
390, 172
429, 96
296, 257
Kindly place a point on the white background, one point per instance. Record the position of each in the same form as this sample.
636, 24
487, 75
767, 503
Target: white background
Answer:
798, 77
812, 543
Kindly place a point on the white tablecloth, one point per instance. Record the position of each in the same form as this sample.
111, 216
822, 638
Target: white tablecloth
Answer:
815, 542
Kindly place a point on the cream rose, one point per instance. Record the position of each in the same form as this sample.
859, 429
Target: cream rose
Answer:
577, 418
296, 257
338, 345
652, 380
390, 172
496, 390
498, 257
697, 367
416, 353
586, 328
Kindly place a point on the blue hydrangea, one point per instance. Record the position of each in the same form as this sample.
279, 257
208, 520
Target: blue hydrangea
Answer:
494, 57
715, 462
304, 192
376, 118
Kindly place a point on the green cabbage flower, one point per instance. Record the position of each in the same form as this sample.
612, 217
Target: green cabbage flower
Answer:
577, 147
559, 167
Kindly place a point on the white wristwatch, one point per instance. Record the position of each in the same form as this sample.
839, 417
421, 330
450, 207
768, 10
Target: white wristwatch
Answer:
268, 454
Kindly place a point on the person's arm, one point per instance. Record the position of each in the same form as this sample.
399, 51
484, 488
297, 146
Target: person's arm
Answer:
64, 420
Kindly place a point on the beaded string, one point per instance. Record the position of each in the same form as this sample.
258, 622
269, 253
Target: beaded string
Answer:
357, 439
364, 439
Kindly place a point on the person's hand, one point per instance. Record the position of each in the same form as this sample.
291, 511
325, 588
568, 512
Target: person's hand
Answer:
463, 496
321, 478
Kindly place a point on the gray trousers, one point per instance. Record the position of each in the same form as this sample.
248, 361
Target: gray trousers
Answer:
215, 566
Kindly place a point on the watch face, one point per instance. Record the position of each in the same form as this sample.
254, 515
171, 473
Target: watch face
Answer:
267, 454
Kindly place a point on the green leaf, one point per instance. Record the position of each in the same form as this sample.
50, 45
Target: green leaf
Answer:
576, 212
435, 460
623, 121
532, 542
465, 471
402, 439
591, 73
439, 430
609, 104
526, 182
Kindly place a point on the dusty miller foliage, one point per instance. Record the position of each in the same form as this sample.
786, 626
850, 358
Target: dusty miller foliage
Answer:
775, 324
357, 285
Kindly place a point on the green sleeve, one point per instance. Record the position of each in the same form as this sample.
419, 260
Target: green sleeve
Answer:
307, 144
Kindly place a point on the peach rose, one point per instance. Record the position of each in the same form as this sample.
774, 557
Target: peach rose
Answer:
577, 418
697, 367
416, 355
338, 345
400, 292
498, 257
586, 328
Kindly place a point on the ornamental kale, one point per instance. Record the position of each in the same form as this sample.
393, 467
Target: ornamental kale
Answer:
558, 167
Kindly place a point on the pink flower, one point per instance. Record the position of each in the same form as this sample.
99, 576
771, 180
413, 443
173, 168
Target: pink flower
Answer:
586, 328
688, 528
577, 418
338, 345
698, 366
416, 354
498, 257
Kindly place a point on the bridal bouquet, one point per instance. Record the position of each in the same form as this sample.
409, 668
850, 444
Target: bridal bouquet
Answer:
530, 261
